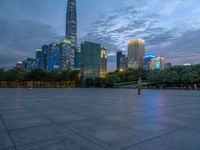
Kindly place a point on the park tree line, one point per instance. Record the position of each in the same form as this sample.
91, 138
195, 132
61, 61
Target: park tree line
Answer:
176, 76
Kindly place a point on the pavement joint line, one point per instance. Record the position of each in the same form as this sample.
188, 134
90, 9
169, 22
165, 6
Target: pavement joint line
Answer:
74, 132
80, 135
11, 130
153, 138
8, 132
42, 141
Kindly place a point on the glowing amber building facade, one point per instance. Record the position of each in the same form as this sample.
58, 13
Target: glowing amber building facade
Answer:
136, 53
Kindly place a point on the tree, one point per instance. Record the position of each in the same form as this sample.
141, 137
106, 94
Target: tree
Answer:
1, 74
112, 80
152, 77
37, 75
89, 82
14, 75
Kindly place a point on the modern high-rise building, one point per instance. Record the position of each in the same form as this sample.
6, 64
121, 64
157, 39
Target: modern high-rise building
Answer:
77, 59
158, 63
93, 60
71, 23
29, 64
136, 53
168, 65
19, 65
123, 64
66, 55
53, 57
39, 58
119, 56
103, 67
148, 61
45, 51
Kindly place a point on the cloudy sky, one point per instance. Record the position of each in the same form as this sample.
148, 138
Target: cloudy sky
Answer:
170, 28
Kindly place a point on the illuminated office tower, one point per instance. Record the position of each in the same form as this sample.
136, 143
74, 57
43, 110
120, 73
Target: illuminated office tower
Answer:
119, 56
148, 61
54, 57
29, 64
123, 64
136, 53
158, 63
77, 58
45, 50
39, 58
71, 22
93, 60
19, 65
103, 67
66, 55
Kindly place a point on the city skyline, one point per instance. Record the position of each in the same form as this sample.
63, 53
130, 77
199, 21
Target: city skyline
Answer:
166, 33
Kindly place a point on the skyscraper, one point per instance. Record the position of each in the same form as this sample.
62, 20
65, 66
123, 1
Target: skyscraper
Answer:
136, 53
103, 65
119, 56
148, 61
45, 51
71, 23
158, 63
77, 58
39, 58
53, 57
123, 63
93, 60
66, 55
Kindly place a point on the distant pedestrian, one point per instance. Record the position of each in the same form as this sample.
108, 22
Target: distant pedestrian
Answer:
195, 86
139, 85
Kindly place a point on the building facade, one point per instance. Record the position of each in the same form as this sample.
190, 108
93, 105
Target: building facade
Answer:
71, 22
158, 63
123, 64
45, 50
77, 59
39, 58
29, 64
53, 60
148, 61
119, 56
66, 55
93, 60
136, 51
103, 65
19, 65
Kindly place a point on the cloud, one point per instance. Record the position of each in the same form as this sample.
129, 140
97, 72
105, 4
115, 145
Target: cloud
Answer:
19, 39
163, 35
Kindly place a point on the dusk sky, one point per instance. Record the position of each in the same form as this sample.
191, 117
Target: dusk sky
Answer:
170, 28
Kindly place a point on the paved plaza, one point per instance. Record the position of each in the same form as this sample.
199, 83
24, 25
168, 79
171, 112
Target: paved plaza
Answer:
99, 119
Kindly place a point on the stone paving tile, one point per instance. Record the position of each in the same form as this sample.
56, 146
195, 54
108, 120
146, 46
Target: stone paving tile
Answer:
184, 139
73, 142
115, 137
111, 119
2, 127
5, 141
59, 118
18, 116
28, 122
83, 125
46, 132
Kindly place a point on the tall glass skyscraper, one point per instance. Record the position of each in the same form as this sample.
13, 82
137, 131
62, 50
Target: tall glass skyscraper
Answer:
93, 60
66, 55
136, 53
71, 23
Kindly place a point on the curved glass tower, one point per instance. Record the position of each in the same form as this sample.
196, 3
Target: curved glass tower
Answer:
71, 22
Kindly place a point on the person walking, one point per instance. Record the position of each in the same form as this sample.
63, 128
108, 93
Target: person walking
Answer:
139, 85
